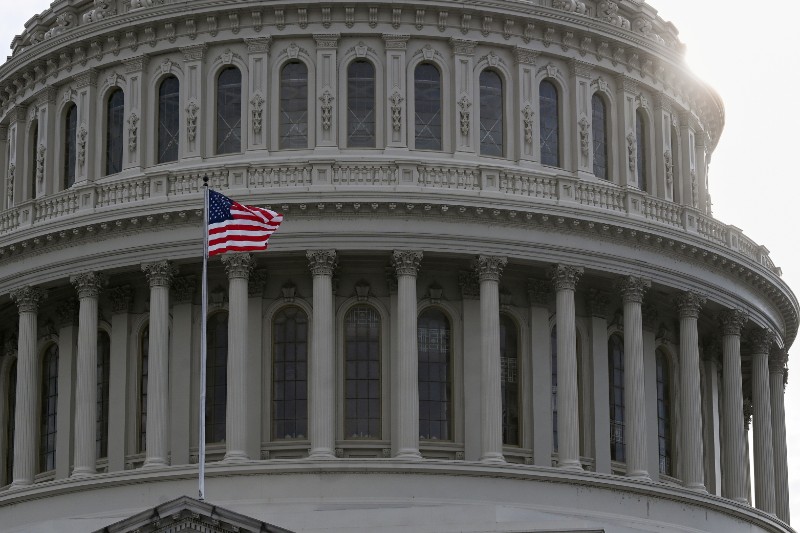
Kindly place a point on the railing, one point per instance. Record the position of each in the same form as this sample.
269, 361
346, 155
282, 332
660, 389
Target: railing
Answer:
531, 186
603, 196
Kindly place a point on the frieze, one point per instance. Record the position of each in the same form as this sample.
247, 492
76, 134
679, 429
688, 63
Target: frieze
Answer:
463, 47
258, 44
326, 40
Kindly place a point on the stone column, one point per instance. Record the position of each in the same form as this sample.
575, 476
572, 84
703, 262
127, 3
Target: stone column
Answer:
159, 276
762, 423
489, 270
406, 264
565, 278
633, 289
689, 304
88, 285
732, 423
711, 425
597, 304
181, 398
539, 292
238, 267
777, 376
322, 363
28, 383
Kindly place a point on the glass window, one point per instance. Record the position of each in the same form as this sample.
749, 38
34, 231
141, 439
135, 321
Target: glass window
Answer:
10, 422
229, 111
664, 414
362, 374
216, 376
641, 151
616, 396
144, 351
49, 410
168, 119
293, 122
361, 104
427, 107
509, 384
599, 138
675, 168
115, 120
103, 367
491, 87
290, 374
435, 376
70, 145
548, 124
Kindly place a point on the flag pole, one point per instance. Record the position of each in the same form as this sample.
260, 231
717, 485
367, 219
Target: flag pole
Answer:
204, 307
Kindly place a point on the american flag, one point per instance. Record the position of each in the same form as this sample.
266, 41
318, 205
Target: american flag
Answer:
233, 227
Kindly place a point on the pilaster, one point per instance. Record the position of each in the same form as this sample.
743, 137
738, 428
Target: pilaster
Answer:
396, 118
597, 303
16, 184
327, 123
464, 105
193, 127
180, 386
626, 120
581, 120
258, 94
121, 299
527, 106
86, 145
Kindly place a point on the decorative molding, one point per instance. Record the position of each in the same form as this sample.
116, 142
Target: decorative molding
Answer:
238, 265
321, 262
584, 127
133, 131
257, 103
258, 45
28, 298
761, 340
689, 304
406, 262
464, 113
463, 47
490, 267
160, 273
191, 120
121, 298
326, 40
326, 108
528, 116
88, 284
183, 289
632, 288
565, 277
396, 104
732, 321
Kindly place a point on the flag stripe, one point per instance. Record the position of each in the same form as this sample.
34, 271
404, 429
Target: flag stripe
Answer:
233, 227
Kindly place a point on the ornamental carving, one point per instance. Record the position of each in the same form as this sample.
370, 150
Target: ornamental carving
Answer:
121, 298
141, 4
597, 303
27, 298
396, 103
528, 114
88, 284
573, 6
584, 126
406, 262
632, 288
239, 266
464, 113
607, 11
539, 291
761, 340
419, 19
668, 166
40, 156
67, 312
258, 113
321, 262
326, 109
689, 304
81, 155
191, 120
486, 25
133, 131
468, 283
645, 26
631, 138
732, 321
183, 289
64, 22
159, 274
490, 267
10, 184
693, 175
778, 360
101, 10
256, 283
565, 277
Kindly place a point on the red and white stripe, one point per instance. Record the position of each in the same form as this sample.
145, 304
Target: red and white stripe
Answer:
249, 230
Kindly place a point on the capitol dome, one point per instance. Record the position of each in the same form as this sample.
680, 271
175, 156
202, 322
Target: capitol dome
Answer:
499, 300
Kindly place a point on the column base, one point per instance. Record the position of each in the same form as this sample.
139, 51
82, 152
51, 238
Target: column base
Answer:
235, 457
20, 484
81, 472
322, 453
493, 458
408, 454
639, 475
155, 463
571, 464
697, 487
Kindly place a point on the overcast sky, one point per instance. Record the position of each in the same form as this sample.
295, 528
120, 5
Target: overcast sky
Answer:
747, 56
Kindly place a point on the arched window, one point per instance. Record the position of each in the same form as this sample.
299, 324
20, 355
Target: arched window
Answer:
115, 121
293, 121
663, 392
641, 151
491, 95
169, 114
361, 104
675, 167
435, 376
49, 412
290, 374
548, 124
70, 145
103, 367
216, 376
599, 137
616, 396
144, 351
229, 111
427, 107
10, 422
362, 373
554, 382
509, 384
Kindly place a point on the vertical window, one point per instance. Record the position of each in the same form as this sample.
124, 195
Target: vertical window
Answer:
427, 107
115, 120
616, 396
663, 391
361, 104
293, 122
362, 375
10, 422
103, 367
641, 151
47, 430
675, 167
599, 138
435, 373
509, 384
216, 376
70, 145
491, 95
229, 111
548, 124
168, 119
290, 374
144, 351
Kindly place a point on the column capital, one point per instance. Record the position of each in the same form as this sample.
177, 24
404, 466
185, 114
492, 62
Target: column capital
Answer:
88, 284
778, 360
463, 47
406, 262
732, 321
326, 40
121, 298
67, 312
239, 265
761, 339
321, 262
258, 44
160, 273
565, 277
632, 288
539, 291
689, 304
27, 298
183, 289
490, 267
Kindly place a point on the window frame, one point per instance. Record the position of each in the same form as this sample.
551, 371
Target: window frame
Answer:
450, 384
559, 119
215, 103
108, 137
272, 374
414, 110
69, 146
48, 389
504, 130
212, 419
605, 129
103, 398
612, 387
377, 109
308, 107
381, 343
520, 382
159, 85
643, 152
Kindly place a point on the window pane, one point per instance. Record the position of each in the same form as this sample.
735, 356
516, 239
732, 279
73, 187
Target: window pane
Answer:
103, 367
509, 372
641, 152
289, 364
229, 111
427, 107
70, 144
548, 124
12, 410
144, 350
293, 124
616, 396
599, 138
664, 418
491, 87
115, 118
435, 376
362, 385
216, 376
49, 410
168, 119
361, 105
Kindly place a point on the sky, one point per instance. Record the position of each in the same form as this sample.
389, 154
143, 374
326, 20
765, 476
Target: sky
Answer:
748, 59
